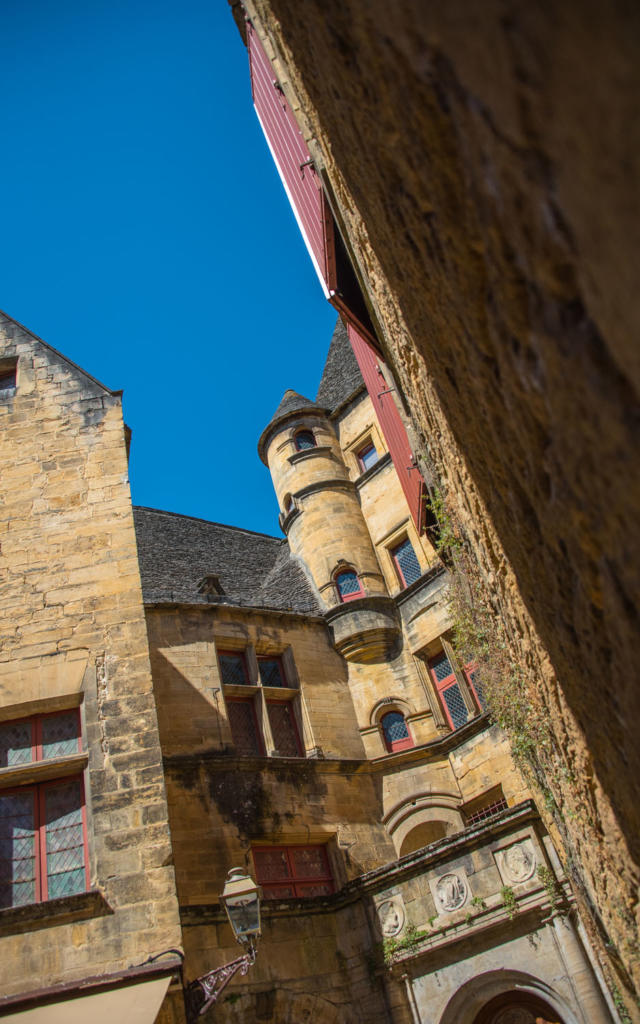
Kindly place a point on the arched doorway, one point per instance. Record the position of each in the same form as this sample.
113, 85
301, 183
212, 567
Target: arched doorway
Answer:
517, 1008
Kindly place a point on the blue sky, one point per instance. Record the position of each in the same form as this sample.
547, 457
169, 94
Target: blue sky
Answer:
147, 236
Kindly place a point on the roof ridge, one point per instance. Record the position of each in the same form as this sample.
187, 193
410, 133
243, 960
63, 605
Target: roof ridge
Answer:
61, 355
209, 522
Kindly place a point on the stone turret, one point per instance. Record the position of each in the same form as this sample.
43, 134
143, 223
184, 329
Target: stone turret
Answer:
321, 516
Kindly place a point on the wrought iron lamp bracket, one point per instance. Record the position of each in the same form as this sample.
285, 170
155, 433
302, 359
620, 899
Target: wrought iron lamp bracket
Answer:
204, 991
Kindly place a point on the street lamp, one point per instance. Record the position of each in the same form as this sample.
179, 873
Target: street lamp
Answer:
241, 900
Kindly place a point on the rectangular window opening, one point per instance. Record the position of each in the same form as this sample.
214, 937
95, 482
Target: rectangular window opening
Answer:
485, 806
406, 563
284, 728
233, 668
367, 456
8, 374
448, 690
289, 872
272, 672
245, 732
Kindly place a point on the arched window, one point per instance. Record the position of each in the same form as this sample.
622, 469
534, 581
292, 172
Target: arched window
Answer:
289, 504
395, 731
304, 440
349, 586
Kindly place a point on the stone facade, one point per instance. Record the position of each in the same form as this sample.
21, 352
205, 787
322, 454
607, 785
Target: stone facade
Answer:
322, 736
74, 637
483, 180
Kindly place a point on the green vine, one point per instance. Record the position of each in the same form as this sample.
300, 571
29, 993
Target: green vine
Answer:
510, 902
412, 938
620, 1006
552, 887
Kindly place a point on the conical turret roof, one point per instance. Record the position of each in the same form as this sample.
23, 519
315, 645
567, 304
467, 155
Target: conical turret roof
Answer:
341, 377
290, 404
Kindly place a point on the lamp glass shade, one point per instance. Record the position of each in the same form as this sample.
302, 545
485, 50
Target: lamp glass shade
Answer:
241, 900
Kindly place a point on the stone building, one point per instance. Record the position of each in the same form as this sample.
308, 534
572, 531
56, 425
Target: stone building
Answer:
87, 889
476, 214
298, 701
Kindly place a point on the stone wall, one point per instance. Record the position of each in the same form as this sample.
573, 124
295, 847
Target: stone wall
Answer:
482, 162
73, 633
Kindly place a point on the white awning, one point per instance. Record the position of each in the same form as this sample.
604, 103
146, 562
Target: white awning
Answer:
134, 1004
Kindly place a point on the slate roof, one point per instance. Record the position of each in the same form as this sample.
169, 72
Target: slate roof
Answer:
290, 404
255, 570
341, 376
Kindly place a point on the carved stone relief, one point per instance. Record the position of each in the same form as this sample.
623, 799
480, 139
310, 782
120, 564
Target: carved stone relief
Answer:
516, 863
450, 891
391, 917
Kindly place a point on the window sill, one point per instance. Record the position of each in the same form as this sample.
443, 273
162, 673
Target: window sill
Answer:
14, 920
40, 771
280, 692
382, 463
240, 689
308, 453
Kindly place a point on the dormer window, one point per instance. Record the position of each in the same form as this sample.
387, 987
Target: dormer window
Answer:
304, 440
210, 585
349, 586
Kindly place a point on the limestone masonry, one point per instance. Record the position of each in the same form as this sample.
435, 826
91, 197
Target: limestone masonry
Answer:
216, 697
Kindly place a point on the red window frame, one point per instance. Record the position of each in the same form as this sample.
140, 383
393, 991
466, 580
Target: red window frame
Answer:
442, 685
469, 670
35, 723
295, 885
284, 684
401, 744
396, 561
243, 662
38, 791
356, 593
287, 704
248, 701
370, 446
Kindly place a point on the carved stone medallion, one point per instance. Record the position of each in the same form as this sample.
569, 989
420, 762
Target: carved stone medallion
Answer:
391, 917
451, 890
516, 863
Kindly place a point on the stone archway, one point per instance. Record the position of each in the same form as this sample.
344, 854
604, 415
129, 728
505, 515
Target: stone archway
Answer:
508, 997
517, 1008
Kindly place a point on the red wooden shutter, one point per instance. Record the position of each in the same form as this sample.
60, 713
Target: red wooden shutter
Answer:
390, 422
293, 160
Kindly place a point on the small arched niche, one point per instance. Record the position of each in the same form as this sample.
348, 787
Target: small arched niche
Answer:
424, 834
423, 819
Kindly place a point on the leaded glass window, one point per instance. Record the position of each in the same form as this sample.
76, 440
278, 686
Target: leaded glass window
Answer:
39, 738
455, 705
42, 842
449, 690
396, 733
244, 727
17, 743
271, 672
304, 440
18, 848
284, 729
348, 585
233, 668
64, 838
406, 562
